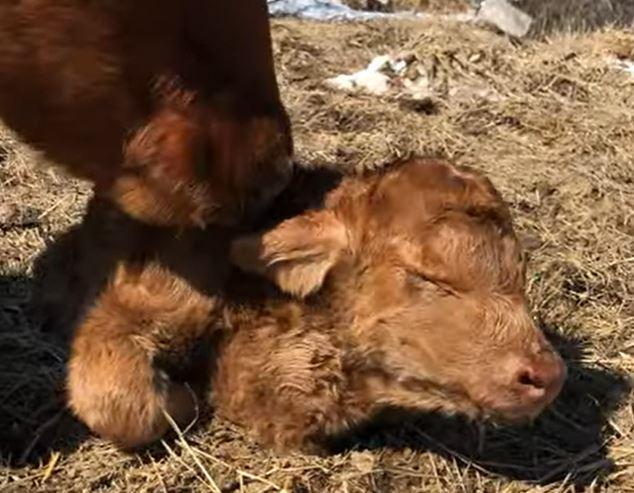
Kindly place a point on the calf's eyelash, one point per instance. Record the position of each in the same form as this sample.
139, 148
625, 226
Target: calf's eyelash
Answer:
419, 280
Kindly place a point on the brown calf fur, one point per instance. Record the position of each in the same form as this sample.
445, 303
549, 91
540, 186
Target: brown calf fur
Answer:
170, 107
407, 291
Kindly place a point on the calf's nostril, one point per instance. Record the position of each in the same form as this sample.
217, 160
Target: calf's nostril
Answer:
530, 379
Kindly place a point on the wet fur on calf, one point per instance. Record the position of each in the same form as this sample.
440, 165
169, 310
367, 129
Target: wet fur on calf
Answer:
137, 306
413, 286
403, 288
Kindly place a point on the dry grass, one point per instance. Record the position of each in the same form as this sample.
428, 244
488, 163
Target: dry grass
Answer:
552, 122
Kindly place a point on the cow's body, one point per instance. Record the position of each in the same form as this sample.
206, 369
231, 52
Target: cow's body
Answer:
170, 107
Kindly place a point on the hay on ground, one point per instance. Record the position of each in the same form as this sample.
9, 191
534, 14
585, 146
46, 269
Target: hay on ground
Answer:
550, 121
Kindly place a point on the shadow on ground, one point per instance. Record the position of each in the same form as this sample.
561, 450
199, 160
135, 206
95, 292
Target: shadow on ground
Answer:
33, 418
576, 15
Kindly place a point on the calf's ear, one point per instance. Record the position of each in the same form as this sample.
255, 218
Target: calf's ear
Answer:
297, 254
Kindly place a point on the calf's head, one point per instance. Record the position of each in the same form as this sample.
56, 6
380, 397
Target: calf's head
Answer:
419, 271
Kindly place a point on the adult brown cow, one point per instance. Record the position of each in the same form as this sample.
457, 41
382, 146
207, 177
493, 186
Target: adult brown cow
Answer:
170, 107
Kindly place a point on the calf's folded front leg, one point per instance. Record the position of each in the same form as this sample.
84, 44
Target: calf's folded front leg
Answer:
146, 323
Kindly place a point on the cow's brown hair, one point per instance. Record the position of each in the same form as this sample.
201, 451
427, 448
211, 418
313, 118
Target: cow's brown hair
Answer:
170, 108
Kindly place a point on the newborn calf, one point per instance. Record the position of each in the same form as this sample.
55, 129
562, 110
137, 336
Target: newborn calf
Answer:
170, 107
407, 291
419, 304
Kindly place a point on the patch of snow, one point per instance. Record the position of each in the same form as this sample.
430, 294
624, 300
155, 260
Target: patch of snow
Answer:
327, 10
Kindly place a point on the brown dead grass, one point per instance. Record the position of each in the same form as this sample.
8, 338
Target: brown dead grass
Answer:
552, 122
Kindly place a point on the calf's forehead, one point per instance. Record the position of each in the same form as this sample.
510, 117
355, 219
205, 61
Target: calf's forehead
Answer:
437, 215
419, 190
458, 250
475, 255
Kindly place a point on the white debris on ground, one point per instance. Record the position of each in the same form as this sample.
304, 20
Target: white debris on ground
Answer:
327, 10
624, 65
400, 76
506, 17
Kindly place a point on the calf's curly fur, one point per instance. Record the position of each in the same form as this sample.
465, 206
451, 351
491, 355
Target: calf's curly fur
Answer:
404, 289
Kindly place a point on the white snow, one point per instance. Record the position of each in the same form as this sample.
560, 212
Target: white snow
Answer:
326, 10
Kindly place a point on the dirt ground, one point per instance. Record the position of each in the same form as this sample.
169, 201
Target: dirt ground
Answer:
551, 121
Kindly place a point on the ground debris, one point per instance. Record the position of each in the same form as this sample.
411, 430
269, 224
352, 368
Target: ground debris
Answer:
550, 121
506, 17
401, 75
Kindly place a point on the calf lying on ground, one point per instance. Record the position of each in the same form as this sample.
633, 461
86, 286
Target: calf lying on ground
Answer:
170, 107
408, 291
